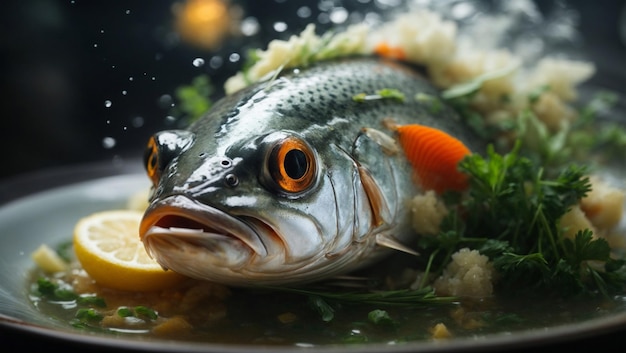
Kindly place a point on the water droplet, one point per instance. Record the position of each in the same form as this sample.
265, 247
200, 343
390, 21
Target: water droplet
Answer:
108, 142
280, 26
165, 101
108, 122
137, 121
125, 128
462, 10
326, 5
124, 92
388, 3
304, 12
216, 62
130, 78
170, 120
323, 18
249, 26
102, 31
339, 15
153, 78
128, 12
108, 103
95, 45
197, 62
117, 160
234, 57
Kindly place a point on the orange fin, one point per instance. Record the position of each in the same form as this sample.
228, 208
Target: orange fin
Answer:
434, 156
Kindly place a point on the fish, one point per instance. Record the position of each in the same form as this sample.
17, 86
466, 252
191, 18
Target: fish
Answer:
292, 180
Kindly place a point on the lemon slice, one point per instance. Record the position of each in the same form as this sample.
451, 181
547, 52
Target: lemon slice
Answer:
108, 247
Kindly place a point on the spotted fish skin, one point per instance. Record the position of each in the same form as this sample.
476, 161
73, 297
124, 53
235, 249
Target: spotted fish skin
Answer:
220, 210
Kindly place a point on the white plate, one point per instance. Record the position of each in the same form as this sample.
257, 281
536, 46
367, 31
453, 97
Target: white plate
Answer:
48, 216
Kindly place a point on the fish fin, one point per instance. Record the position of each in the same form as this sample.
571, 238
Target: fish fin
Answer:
380, 210
390, 242
386, 142
435, 156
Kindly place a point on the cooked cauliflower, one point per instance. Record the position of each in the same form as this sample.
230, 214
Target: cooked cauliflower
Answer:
573, 221
603, 205
561, 75
600, 211
427, 212
470, 274
424, 36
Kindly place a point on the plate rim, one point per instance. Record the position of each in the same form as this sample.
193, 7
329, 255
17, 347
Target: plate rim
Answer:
48, 179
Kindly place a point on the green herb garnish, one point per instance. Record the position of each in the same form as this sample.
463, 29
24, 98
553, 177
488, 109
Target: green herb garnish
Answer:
472, 86
435, 103
194, 100
140, 311
512, 215
381, 318
88, 314
91, 300
53, 291
145, 312
385, 93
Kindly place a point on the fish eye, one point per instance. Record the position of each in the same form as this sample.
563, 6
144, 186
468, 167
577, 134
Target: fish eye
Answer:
162, 148
151, 160
292, 165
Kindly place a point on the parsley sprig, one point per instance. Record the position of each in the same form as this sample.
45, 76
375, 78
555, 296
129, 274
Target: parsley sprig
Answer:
512, 215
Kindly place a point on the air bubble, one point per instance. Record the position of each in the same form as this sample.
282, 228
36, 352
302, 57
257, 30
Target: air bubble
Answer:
216, 62
108, 142
234, 57
304, 12
462, 10
249, 26
326, 5
280, 26
197, 62
170, 119
338, 15
137, 122
165, 101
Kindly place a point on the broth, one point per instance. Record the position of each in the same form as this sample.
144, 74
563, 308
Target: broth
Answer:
211, 313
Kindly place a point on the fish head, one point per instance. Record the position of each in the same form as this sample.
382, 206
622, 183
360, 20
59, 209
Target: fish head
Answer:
259, 210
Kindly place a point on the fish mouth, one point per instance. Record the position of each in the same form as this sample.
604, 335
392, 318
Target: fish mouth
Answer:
180, 222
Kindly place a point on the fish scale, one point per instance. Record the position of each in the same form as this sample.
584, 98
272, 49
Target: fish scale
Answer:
248, 219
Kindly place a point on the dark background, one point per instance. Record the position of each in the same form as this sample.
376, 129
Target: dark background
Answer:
61, 60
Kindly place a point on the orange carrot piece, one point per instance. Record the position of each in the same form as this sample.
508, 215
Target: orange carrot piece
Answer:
385, 50
435, 156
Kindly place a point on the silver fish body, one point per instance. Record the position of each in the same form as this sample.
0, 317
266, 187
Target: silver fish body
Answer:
279, 183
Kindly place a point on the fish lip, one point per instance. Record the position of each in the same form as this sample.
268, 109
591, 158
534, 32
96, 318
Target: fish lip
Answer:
162, 216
